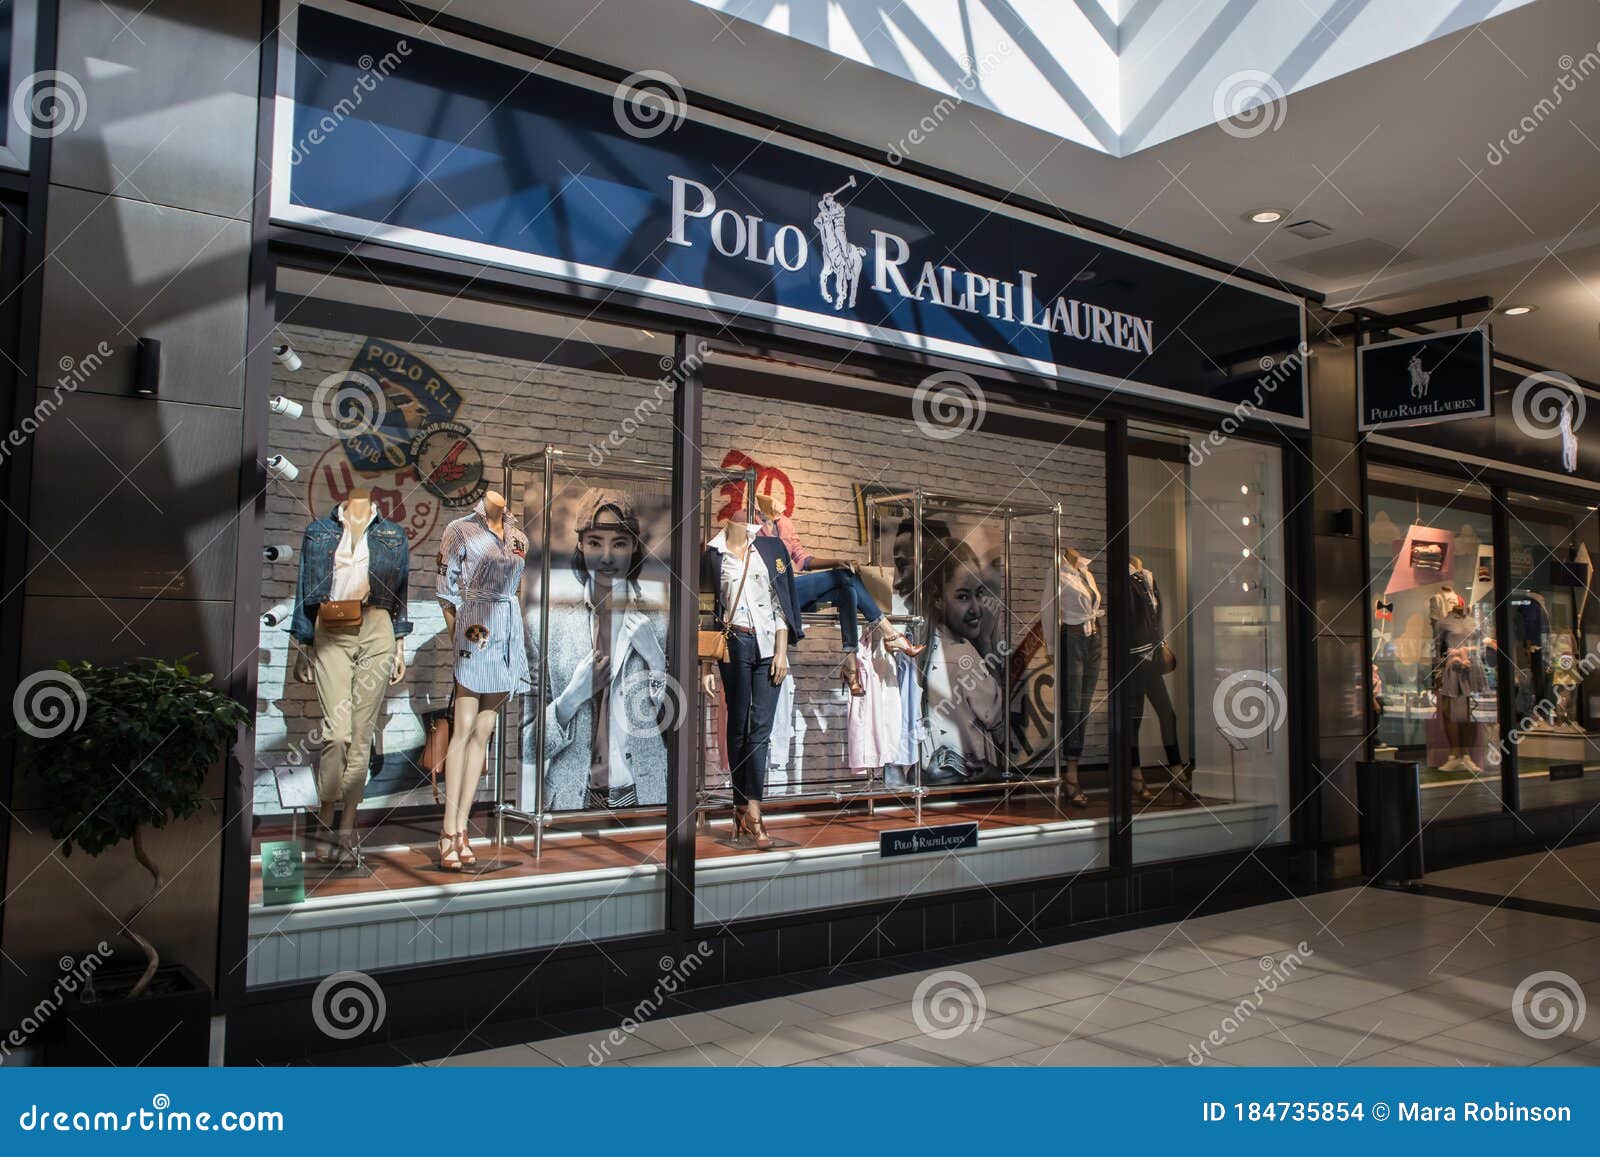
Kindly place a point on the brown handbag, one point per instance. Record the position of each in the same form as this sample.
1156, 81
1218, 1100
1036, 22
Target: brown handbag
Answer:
713, 645
435, 743
1165, 660
340, 613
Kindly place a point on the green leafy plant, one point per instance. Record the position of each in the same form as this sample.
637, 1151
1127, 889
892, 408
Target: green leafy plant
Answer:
137, 759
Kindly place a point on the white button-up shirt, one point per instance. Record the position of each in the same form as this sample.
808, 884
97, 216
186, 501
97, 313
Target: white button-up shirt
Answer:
1079, 598
351, 577
758, 605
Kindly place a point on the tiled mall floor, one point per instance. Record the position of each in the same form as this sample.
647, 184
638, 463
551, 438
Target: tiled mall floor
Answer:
1385, 978
1571, 878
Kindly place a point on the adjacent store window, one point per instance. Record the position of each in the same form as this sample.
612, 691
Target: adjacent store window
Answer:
922, 703
1553, 646
1434, 673
1206, 686
466, 592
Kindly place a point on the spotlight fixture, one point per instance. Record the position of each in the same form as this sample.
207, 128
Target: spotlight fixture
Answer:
288, 407
1245, 586
1518, 310
1245, 552
286, 357
277, 552
279, 614
1244, 521
1244, 488
1264, 216
282, 469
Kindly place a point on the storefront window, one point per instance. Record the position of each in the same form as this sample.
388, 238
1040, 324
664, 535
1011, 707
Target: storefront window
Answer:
486, 658
1552, 646
1206, 686
1433, 635
919, 712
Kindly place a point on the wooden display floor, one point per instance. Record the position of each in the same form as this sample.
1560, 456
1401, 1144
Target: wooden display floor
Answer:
415, 865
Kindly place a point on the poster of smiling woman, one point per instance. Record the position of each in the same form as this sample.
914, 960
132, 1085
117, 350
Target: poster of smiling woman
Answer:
605, 691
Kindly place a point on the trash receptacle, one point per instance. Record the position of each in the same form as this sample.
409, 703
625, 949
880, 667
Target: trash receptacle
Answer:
1389, 795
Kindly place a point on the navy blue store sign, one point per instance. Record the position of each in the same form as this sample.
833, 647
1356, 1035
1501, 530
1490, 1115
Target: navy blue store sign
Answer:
915, 841
1438, 378
431, 141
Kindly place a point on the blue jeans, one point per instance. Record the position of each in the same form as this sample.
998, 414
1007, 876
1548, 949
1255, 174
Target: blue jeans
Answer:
843, 589
752, 699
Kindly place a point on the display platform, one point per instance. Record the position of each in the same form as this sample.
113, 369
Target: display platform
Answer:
598, 885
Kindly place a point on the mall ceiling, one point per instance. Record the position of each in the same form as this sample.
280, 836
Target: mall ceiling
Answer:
1409, 162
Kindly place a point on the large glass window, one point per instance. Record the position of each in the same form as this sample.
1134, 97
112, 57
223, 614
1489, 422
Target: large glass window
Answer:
919, 714
1552, 612
1206, 687
1431, 546
466, 588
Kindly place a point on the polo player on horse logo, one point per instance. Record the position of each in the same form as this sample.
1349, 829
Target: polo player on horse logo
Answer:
840, 259
1419, 376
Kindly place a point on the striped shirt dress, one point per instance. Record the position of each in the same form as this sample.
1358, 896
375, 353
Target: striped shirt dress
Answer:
480, 575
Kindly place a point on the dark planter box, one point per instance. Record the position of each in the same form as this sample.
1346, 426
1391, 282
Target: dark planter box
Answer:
170, 1025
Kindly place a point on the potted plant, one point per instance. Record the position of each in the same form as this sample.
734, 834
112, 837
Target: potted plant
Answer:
136, 761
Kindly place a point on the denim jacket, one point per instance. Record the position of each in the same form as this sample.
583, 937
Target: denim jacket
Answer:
388, 570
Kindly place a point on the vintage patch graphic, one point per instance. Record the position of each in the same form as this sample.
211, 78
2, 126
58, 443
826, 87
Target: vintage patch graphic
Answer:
450, 463
414, 395
398, 494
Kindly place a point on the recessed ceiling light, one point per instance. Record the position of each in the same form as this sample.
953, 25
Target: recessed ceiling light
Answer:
1264, 216
1518, 310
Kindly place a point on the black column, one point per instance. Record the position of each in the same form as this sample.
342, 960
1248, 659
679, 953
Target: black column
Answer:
1117, 550
1505, 664
683, 750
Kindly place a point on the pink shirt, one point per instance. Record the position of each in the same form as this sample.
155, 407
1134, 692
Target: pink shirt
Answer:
783, 527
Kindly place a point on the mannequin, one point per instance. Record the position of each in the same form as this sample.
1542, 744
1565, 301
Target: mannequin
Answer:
354, 555
1077, 650
1145, 680
1458, 676
823, 581
751, 579
481, 560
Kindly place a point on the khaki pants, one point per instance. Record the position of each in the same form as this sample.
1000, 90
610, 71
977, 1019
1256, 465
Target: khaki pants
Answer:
351, 669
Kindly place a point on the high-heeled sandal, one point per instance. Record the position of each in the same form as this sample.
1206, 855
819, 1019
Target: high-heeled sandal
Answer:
758, 828
464, 850
896, 643
850, 679
449, 858
1075, 796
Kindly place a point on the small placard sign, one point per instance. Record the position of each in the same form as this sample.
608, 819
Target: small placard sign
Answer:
915, 841
1416, 380
1566, 771
283, 873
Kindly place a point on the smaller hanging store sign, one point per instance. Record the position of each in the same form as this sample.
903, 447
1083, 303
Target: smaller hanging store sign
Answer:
393, 132
1440, 377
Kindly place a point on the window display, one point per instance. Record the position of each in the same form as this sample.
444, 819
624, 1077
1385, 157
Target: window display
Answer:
1207, 686
463, 684
1433, 637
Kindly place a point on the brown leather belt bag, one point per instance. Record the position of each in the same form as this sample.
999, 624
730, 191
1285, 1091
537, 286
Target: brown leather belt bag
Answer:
339, 614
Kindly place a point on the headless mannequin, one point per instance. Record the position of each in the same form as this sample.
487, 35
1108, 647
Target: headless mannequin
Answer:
358, 514
737, 537
1071, 558
471, 729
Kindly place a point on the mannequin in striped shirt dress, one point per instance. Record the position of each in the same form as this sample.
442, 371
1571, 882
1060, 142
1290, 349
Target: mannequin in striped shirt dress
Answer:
481, 560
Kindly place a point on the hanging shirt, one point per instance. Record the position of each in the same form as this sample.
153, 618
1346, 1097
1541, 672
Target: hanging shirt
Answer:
758, 606
351, 579
872, 729
912, 730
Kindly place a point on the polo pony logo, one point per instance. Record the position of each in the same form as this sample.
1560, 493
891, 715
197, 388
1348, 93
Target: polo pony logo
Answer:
1419, 377
840, 259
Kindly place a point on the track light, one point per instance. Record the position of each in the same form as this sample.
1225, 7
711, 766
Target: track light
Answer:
286, 357
287, 407
279, 614
282, 469
277, 552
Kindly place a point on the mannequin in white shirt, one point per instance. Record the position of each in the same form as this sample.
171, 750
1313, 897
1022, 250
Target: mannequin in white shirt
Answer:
1077, 649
